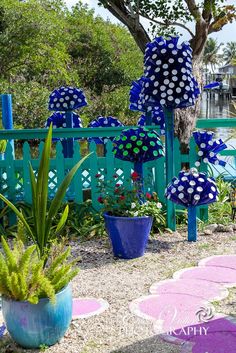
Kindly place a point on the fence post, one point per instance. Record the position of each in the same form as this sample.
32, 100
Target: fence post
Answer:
26, 173
77, 180
7, 116
11, 179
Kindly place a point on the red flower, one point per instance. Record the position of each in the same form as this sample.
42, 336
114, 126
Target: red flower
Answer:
134, 175
117, 185
115, 176
100, 199
148, 196
122, 197
117, 191
97, 175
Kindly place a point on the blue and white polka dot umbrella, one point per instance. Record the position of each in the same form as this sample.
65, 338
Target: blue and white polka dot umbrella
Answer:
66, 98
208, 148
58, 120
101, 122
168, 74
157, 119
192, 189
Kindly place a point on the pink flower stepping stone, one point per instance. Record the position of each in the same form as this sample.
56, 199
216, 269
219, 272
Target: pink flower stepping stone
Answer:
215, 336
86, 307
222, 275
169, 311
195, 287
228, 261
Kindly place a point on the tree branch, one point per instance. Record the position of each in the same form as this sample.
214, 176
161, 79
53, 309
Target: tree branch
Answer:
193, 9
169, 24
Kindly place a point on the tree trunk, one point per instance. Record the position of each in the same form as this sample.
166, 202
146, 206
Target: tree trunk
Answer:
185, 119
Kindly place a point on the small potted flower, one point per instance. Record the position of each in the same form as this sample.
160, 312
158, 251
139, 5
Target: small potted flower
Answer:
128, 221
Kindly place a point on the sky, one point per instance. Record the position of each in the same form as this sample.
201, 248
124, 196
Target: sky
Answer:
227, 34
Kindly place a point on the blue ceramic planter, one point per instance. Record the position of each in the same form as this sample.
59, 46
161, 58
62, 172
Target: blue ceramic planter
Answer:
32, 325
128, 235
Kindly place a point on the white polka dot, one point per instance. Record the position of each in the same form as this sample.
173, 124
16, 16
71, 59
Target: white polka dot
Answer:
158, 62
71, 91
170, 91
173, 190
163, 95
184, 178
177, 101
154, 56
75, 96
197, 164
171, 85
162, 88
170, 98
185, 96
162, 101
180, 60
182, 84
174, 78
190, 190
200, 153
64, 124
163, 51
205, 160
155, 91
156, 84
180, 188
199, 189
166, 73
166, 81
211, 196
181, 196
216, 162
174, 52
171, 45
196, 197
184, 77
211, 154
178, 90
52, 105
67, 98
171, 61
174, 72
152, 78
61, 99
58, 105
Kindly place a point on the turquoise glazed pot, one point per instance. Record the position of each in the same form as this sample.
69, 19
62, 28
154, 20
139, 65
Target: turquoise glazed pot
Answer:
33, 325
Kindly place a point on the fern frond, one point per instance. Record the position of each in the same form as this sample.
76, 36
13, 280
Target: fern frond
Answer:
48, 289
58, 261
25, 260
11, 261
64, 281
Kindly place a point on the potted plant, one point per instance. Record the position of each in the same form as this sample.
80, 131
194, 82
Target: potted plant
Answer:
128, 221
36, 300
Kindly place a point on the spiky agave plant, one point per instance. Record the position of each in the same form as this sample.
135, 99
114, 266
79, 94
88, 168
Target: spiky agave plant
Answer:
24, 277
41, 231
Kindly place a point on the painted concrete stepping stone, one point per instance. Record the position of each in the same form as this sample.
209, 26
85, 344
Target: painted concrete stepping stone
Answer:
86, 307
222, 275
197, 287
215, 336
168, 311
228, 261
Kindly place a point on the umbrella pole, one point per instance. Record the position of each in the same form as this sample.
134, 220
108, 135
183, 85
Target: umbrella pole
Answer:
192, 223
138, 168
68, 146
169, 157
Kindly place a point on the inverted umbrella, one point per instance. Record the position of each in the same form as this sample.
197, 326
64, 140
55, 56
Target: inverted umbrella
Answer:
168, 81
192, 189
138, 145
208, 148
67, 99
157, 118
102, 122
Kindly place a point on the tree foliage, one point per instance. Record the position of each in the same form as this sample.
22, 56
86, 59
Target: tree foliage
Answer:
43, 46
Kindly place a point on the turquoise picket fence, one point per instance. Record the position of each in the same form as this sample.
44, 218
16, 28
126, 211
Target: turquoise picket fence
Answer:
15, 179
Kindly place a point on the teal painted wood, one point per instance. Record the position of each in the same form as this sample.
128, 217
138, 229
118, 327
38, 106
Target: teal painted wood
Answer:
212, 123
159, 183
192, 223
93, 171
170, 166
203, 210
110, 165
77, 180
11, 180
26, 173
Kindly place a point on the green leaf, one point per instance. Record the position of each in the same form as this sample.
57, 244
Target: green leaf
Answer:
57, 200
63, 219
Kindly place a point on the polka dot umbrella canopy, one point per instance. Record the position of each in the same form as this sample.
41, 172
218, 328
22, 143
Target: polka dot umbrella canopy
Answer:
208, 148
58, 120
138, 145
100, 122
168, 74
192, 189
66, 98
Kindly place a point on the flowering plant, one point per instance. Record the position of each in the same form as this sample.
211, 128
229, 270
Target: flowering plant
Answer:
117, 200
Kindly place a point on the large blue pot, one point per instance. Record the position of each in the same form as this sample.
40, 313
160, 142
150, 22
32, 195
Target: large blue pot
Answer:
33, 325
128, 235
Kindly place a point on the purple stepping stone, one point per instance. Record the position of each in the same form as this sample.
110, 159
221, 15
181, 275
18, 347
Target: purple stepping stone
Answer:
215, 336
228, 261
86, 307
169, 311
195, 287
222, 275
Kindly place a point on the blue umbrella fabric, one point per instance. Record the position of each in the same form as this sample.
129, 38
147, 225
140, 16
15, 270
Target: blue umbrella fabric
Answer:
208, 148
138, 145
157, 119
168, 74
66, 98
58, 120
212, 85
192, 189
101, 122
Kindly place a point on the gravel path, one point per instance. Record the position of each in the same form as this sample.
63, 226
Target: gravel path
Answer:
119, 282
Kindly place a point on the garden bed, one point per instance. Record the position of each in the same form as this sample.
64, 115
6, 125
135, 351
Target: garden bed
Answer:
119, 282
